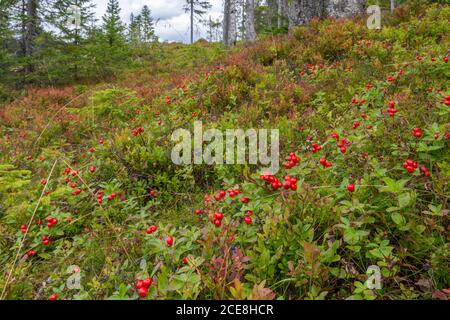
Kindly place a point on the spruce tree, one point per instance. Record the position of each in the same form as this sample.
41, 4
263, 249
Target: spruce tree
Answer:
147, 27
112, 24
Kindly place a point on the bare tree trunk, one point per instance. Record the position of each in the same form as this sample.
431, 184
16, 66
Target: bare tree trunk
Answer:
250, 22
226, 22
233, 22
392, 6
301, 12
192, 21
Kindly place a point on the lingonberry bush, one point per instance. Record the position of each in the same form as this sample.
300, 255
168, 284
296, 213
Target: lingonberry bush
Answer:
86, 177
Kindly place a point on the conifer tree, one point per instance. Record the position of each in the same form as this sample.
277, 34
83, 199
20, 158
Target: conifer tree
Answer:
196, 8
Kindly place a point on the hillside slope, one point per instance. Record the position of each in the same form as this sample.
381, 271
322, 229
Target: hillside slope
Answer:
87, 180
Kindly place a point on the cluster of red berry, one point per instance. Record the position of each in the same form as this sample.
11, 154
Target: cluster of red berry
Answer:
137, 131
323, 161
293, 160
271, 180
410, 165
234, 192
425, 171
45, 240
391, 110
217, 218
100, 197
417, 132
168, 100
151, 229
316, 147
290, 183
221, 194
76, 192
356, 101
446, 100
142, 286
112, 196
356, 124
24, 228
51, 222
343, 144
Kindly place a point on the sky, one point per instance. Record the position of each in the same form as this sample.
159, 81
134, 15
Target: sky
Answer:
174, 22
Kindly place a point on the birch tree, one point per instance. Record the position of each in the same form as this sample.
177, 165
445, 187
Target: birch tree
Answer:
250, 20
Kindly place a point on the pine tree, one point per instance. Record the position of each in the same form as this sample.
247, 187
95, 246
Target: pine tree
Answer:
112, 24
196, 8
134, 29
147, 27
114, 50
72, 19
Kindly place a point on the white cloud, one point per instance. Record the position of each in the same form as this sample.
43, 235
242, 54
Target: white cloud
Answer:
173, 24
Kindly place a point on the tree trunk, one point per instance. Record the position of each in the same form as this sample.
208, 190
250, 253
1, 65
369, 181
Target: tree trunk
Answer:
192, 21
226, 22
301, 12
250, 21
229, 22
280, 13
30, 32
233, 22
392, 6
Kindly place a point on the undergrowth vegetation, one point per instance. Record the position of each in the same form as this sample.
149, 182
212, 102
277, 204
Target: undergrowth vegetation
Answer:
88, 190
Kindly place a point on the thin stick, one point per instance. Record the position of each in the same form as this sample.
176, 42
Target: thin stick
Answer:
26, 232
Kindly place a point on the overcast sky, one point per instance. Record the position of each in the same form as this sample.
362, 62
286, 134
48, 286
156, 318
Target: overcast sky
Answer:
173, 24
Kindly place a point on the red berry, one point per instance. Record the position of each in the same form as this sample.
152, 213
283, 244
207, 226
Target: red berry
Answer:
139, 284
142, 292
31, 253
147, 282
248, 220
54, 296
351, 187
92, 169
244, 200
169, 241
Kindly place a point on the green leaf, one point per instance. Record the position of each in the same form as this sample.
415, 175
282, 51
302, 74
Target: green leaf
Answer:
398, 218
404, 200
